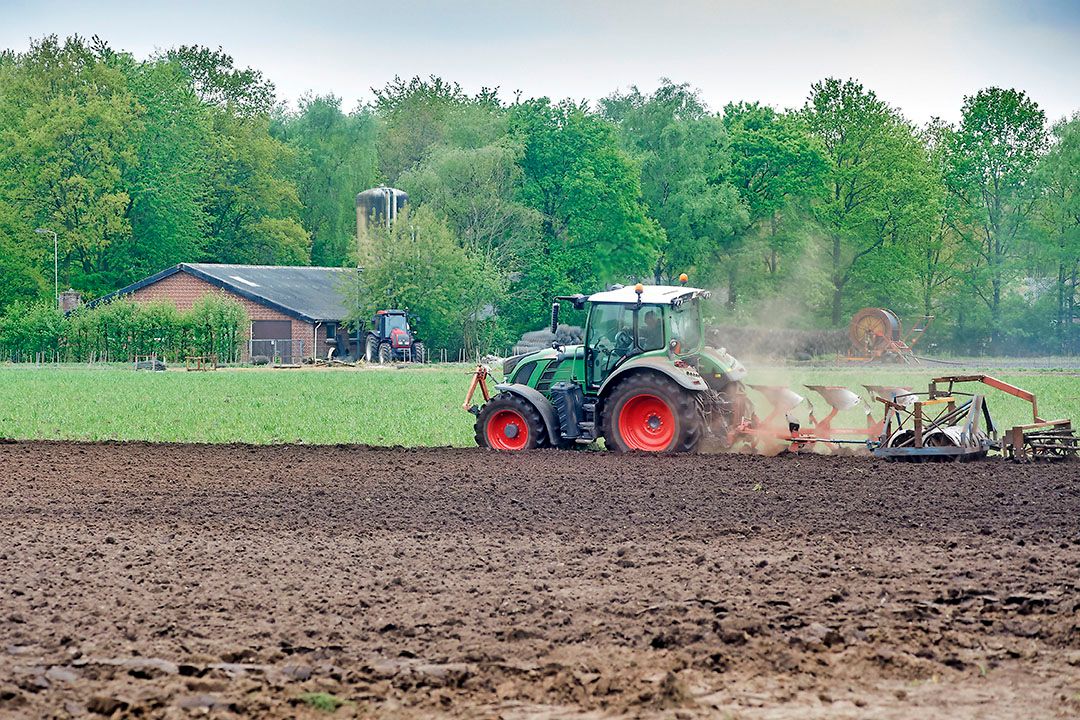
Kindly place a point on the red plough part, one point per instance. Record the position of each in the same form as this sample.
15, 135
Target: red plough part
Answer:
780, 427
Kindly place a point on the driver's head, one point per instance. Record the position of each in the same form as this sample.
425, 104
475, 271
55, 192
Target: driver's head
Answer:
652, 319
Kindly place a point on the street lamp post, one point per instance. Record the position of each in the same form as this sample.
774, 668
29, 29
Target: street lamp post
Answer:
56, 262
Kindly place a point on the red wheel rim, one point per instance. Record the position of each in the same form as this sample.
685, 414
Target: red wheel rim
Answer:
647, 423
507, 430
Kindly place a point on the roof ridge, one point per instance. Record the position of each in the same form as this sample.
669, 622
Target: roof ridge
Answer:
268, 267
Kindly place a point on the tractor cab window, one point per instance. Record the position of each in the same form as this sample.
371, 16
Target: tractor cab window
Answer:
617, 332
394, 322
686, 326
650, 328
610, 339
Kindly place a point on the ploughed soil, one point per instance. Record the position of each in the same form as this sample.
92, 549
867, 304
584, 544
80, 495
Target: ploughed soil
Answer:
141, 580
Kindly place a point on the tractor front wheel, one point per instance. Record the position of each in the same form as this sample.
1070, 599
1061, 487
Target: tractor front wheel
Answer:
652, 413
419, 352
386, 353
509, 422
371, 349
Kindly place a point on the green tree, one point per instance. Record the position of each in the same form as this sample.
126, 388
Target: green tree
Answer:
66, 143
217, 82
992, 160
420, 115
588, 191
474, 189
21, 256
939, 247
1058, 176
878, 188
778, 169
421, 267
253, 205
168, 184
685, 174
335, 158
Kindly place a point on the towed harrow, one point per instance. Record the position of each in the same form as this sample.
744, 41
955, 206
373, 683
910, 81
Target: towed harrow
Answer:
944, 423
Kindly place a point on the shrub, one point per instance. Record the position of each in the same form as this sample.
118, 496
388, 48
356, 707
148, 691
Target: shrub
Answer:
122, 329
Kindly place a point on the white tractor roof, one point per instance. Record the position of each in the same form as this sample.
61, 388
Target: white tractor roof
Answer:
652, 294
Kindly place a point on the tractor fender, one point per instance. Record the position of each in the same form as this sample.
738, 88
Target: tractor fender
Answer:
686, 376
541, 403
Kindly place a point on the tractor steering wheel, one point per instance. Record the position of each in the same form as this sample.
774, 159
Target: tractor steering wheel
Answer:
623, 340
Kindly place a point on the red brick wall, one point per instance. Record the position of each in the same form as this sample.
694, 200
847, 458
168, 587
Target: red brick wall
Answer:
183, 290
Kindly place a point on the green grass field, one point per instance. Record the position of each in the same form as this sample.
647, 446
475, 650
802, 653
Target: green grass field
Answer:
417, 406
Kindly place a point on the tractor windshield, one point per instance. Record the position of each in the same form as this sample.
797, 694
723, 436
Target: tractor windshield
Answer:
686, 326
396, 322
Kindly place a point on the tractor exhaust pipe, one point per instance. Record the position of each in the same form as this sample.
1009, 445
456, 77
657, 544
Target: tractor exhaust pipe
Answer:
554, 317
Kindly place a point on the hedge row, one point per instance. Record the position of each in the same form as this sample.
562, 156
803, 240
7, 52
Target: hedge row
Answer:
121, 330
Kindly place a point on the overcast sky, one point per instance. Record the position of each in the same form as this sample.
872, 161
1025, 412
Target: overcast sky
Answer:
922, 56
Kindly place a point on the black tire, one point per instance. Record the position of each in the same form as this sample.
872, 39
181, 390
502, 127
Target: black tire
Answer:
501, 408
419, 352
386, 354
646, 395
371, 349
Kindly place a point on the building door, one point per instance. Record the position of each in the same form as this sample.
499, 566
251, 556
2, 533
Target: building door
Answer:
272, 338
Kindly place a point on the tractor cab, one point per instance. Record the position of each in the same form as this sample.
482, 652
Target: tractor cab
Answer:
624, 324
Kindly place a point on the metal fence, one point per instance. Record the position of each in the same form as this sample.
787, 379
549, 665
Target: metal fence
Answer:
277, 352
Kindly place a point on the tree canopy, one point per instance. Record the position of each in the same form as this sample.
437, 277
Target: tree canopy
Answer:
138, 164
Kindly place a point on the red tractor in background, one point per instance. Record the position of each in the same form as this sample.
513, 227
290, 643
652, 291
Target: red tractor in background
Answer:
391, 338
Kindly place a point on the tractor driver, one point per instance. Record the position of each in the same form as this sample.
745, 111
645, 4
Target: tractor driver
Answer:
651, 333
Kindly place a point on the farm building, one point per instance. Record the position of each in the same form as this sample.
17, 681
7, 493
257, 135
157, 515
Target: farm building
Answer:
292, 311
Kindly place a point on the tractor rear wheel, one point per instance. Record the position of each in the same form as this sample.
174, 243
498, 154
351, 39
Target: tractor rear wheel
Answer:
509, 422
386, 353
652, 413
371, 349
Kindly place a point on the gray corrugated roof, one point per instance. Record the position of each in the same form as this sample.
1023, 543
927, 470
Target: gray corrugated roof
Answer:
314, 294
311, 293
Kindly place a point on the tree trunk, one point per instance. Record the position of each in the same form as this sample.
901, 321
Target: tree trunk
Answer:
1062, 328
1071, 337
995, 315
838, 282
732, 296
774, 260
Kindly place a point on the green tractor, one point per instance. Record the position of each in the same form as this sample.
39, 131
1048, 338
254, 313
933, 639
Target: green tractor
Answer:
642, 380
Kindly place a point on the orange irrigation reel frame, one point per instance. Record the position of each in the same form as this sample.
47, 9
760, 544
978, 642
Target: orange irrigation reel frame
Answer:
876, 334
